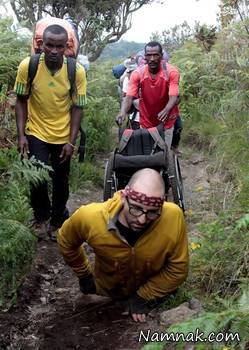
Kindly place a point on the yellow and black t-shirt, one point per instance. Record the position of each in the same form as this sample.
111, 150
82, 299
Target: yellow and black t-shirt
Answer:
50, 102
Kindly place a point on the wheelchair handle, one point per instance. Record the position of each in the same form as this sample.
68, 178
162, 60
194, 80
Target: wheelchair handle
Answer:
160, 126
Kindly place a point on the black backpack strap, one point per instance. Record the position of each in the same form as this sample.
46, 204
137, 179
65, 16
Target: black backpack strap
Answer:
71, 71
166, 70
124, 139
32, 70
82, 145
157, 138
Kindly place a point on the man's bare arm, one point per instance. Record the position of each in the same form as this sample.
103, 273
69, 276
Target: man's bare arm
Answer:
163, 115
21, 118
125, 107
76, 117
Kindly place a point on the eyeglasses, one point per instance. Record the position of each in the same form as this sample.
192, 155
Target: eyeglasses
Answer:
137, 211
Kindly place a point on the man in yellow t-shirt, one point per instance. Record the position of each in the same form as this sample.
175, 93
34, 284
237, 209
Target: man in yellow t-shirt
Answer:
48, 120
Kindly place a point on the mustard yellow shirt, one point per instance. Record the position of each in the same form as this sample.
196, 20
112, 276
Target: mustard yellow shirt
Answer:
154, 267
50, 102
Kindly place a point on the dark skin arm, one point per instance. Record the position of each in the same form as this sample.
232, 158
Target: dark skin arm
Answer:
125, 107
68, 148
21, 118
163, 115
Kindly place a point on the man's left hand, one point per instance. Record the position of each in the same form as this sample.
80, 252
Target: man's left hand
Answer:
138, 308
67, 152
162, 116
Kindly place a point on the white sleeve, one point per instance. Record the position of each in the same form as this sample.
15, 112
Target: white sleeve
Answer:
125, 85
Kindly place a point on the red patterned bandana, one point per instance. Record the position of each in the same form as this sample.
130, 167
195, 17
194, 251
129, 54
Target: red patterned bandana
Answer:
142, 198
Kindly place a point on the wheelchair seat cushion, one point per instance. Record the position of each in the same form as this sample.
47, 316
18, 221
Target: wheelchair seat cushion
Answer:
140, 161
140, 142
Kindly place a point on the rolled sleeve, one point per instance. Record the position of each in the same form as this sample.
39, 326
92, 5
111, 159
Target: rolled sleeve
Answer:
21, 84
133, 85
79, 99
174, 78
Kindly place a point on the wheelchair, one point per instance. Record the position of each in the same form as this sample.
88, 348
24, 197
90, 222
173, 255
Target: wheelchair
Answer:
138, 149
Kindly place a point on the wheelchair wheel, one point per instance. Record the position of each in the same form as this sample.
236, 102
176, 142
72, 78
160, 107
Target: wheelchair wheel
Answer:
110, 182
175, 179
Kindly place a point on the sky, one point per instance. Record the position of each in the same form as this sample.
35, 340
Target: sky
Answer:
158, 17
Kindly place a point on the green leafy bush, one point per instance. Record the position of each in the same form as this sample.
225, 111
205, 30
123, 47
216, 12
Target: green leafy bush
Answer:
101, 109
212, 269
17, 243
17, 250
232, 323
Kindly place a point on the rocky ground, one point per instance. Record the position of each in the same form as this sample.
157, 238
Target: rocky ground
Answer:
51, 313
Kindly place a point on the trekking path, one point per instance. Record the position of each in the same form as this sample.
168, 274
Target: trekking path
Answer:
52, 313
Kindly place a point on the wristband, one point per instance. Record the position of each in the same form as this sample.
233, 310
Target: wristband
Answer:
69, 143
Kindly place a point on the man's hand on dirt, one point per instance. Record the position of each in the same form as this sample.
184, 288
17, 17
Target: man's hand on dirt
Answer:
67, 152
87, 285
138, 308
139, 317
23, 145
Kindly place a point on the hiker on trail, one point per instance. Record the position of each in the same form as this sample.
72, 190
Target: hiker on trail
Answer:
48, 117
139, 241
156, 84
130, 65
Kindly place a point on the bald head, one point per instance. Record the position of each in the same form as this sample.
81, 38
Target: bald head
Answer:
149, 182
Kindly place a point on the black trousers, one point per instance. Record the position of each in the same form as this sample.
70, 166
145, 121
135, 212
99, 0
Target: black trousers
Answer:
43, 208
177, 132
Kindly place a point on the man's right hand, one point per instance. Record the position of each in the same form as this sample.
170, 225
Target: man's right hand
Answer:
87, 285
23, 145
120, 119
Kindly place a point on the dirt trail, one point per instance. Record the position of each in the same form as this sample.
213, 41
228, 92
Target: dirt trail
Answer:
51, 313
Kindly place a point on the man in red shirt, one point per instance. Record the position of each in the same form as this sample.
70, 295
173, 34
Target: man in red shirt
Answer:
156, 84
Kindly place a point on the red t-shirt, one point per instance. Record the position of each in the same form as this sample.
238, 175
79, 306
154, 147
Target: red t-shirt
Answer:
154, 93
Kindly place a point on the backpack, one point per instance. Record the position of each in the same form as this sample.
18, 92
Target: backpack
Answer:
73, 39
71, 71
118, 70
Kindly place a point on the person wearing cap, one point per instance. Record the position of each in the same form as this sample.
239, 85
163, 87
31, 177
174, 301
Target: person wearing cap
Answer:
130, 65
140, 245
156, 84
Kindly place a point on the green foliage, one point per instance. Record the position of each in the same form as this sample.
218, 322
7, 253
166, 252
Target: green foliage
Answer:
99, 22
17, 249
212, 270
231, 326
82, 173
17, 243
182, 295
215, 102
206, 35
101, 110
10, 55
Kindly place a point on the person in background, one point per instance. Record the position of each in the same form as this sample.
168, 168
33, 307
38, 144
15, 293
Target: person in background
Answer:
140, 245
48, 120
130, 65
83, 60
156, 84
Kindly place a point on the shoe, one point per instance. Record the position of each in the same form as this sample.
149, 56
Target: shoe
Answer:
52, 232
40, 228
